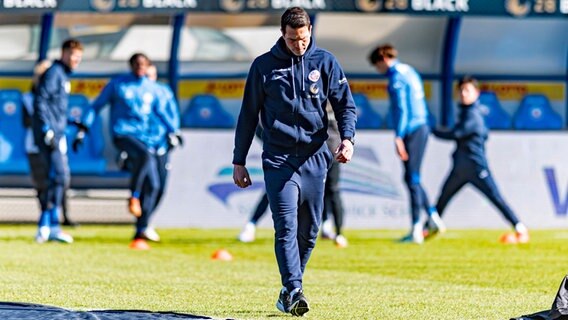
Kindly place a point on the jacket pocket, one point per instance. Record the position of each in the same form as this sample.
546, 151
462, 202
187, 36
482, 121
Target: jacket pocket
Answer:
310, 121
283, 131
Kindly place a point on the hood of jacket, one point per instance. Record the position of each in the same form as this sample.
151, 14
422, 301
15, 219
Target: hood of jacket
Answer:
280, 50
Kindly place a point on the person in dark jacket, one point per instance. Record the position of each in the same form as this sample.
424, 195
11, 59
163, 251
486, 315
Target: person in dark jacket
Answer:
469, 160
36, 161
49, 122
332, 199
290, 86
410, 118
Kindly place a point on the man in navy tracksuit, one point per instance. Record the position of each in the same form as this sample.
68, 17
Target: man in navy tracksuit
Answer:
410, 114
49, 122
289, 86
470, 163
134, 101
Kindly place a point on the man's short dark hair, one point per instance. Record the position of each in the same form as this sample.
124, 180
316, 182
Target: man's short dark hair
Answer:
468, 79
71, 44
136, 56
295, 18
381, 52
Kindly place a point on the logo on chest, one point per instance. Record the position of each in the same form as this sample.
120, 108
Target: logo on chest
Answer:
314, 89
314, 75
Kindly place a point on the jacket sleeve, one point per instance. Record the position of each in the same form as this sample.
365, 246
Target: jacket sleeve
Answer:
399, 105
473, 124
167, 109
102, 100
253, 100
341, 101
47, 90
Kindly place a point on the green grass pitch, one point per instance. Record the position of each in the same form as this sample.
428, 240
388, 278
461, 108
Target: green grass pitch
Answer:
465, 274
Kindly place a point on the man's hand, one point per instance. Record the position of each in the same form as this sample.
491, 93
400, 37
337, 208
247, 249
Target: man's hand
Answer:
175, 140
78, 141
344, 151
80, 125
401, 149
49, 138
241, 176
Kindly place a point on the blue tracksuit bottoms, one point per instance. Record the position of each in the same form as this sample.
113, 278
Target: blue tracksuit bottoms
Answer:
415, 144
295, 188
481, 178
52, 165
145, 178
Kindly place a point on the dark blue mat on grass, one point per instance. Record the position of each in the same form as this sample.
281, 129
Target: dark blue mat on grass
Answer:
28, 311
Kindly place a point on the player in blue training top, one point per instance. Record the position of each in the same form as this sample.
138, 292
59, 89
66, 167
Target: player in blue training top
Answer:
470, 162
289, 87
410, 115
49, 121
134, 101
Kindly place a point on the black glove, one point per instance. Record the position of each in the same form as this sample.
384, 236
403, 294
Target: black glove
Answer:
78, 141
80, 125
49, 138
175, 139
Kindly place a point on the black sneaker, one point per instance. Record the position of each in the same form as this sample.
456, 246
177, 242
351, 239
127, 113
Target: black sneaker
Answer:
283, 303
299, 305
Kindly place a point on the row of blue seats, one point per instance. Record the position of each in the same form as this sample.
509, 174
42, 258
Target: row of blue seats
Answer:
89, 160
206, 111
534, 113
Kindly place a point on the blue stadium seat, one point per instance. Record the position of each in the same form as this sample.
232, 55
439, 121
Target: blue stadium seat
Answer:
367, 118
535, 113
89, 160
495, 116
205, 111
390, 121
13, 159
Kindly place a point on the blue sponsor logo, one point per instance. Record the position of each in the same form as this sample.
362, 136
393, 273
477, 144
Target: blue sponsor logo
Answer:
560, 205
362, 176
225, 187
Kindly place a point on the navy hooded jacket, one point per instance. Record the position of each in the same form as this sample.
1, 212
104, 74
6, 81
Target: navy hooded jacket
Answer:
50, 101
290, 92
470, 134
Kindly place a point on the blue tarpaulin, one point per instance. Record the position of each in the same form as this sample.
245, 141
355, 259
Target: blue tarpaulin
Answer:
28, 311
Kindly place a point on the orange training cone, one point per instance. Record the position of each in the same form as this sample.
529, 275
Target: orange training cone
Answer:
509, 238
222, 255
139, 244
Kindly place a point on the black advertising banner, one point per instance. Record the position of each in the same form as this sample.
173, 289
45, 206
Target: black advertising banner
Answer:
506, 8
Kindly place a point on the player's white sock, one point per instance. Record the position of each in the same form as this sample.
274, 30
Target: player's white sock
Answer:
417, 234
437, 220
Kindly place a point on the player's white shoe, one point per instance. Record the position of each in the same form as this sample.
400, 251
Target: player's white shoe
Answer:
61, 236
416, 235
327, 230
435, 225
341, 241
149, 234
42, 235
248, 233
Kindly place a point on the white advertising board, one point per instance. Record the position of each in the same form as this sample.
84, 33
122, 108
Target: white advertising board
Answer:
531, 171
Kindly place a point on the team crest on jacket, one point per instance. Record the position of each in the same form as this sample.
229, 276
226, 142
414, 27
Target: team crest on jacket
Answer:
314, 88
314, 75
